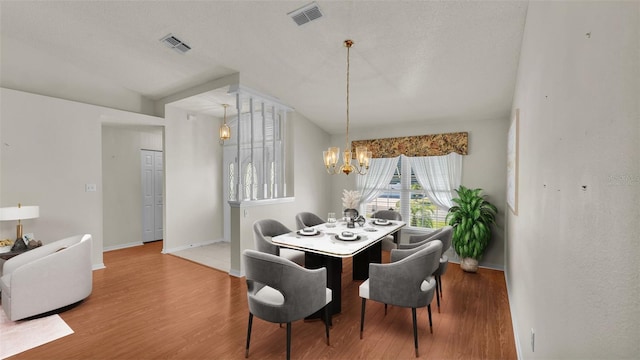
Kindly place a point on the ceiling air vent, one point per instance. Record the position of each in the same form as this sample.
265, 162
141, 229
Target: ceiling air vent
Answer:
306, 13
175, 43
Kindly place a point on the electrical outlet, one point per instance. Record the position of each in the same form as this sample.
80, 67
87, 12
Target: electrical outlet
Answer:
90, 187
533, 340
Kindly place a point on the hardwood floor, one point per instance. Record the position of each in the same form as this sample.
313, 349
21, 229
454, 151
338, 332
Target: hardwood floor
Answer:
146, 305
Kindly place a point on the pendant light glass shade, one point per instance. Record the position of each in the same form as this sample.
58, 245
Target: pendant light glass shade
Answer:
225, 130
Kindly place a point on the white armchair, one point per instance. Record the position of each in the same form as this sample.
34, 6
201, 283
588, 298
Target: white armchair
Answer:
47, 278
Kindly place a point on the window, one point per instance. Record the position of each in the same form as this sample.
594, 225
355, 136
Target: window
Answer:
405, 194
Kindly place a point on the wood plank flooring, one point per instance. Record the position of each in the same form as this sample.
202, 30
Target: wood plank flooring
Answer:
146, 305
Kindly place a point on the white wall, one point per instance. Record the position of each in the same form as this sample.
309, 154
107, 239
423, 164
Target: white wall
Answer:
484, 167
122, 183
572, 262
193, 180
51, 148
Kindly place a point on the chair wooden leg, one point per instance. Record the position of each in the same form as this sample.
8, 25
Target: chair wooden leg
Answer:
415, 330
364, 302
437, 293
326, 322
288, 340
430, 322
246, 354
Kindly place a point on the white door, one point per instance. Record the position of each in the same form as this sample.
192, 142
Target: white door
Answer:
152, 195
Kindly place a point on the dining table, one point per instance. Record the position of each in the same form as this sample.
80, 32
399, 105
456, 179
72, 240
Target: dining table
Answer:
325, 247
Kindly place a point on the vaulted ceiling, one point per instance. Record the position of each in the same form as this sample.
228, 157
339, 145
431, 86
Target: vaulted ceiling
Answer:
413, 61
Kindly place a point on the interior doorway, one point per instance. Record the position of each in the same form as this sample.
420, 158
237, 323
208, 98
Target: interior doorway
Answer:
122, 183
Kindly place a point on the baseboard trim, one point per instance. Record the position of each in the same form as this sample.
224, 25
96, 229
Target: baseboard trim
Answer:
514, 323
235, 273
122, 246
483, 266
190, 246
99, 266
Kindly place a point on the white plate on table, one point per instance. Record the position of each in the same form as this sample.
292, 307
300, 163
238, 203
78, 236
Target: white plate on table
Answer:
354, 237
308, 233
381, 222
5, 249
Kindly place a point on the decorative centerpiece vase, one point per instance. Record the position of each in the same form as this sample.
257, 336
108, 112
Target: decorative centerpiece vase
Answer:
350, 200
350, 215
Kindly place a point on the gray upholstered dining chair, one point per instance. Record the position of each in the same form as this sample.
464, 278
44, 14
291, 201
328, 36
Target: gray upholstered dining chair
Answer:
405, 282
264, 230
307, 219
280, 291
391, 241
444, 234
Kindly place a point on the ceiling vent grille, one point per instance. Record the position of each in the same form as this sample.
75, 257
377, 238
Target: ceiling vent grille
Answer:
306, 14
175, 43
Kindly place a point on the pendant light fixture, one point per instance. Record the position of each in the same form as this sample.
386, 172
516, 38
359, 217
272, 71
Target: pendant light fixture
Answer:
331, 155
225, 131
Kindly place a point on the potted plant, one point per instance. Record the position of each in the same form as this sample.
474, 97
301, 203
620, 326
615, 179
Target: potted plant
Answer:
471, 218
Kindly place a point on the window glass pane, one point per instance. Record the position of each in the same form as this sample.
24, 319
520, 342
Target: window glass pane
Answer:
421, 212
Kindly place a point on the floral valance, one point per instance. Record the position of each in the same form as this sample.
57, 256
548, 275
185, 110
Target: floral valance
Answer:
422, 145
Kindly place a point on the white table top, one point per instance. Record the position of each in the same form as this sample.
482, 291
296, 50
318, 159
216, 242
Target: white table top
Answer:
325, 242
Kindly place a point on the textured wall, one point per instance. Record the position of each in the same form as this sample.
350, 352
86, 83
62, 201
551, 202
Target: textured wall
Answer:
572, 258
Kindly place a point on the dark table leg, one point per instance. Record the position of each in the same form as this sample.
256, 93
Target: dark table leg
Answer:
361, 261
334, 279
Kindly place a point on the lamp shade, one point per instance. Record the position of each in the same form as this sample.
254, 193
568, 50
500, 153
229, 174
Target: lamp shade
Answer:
19, 212
225, 132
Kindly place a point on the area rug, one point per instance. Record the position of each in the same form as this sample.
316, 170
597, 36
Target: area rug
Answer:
19, 336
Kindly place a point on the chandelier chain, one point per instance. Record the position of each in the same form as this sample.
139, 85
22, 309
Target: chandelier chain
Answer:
225, 113
348, 44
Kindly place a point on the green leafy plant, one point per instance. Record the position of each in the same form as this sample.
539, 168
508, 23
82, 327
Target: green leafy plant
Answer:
421, 212
471, 218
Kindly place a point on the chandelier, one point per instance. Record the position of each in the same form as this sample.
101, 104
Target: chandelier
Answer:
331, 155
225, 131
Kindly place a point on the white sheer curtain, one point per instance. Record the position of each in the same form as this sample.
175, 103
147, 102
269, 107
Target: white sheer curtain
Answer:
439, 176
378, 178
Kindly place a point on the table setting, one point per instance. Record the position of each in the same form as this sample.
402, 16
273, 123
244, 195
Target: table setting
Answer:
337, 238
326, 244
